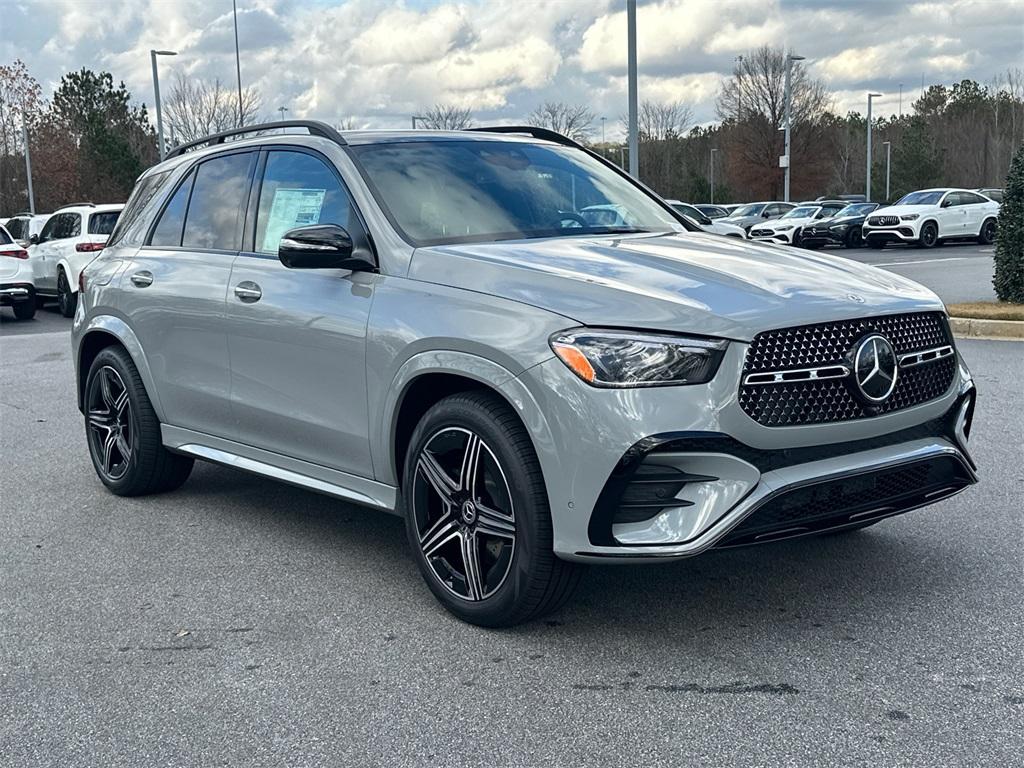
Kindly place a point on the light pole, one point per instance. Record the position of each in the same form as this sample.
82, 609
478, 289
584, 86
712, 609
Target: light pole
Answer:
28, 164
888, 159
603, 119
789, 117
901, 99
868, 182
156, 94
713, 150
415, 118
634, 153
282, 110
238, 64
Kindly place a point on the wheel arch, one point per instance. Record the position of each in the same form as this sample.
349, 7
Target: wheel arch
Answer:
72, 276
105, 331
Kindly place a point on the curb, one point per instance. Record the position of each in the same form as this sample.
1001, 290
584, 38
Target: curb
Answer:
973, 328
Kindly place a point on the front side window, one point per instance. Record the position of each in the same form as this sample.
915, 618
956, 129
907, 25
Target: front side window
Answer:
437, 192
103, 223
5, 239
219, 195
299, 190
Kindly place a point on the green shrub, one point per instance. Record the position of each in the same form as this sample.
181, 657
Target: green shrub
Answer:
1009, 274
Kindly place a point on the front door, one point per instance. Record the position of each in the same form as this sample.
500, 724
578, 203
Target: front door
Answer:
297, 337
52, 245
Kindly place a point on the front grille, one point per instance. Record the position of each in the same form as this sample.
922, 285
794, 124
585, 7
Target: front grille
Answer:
884, 221
761, 233
851, 499
832, 400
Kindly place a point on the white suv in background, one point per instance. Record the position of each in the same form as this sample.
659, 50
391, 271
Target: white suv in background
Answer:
17, 288
702, 220
22, 226
926, 217
71, 239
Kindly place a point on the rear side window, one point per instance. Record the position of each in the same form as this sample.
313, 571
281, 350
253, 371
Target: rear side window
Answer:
168, 229
969, 198
103, 223
144, 191
219, 196
18, 228
299, 190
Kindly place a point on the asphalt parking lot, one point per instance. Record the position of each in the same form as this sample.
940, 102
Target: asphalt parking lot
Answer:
241, 622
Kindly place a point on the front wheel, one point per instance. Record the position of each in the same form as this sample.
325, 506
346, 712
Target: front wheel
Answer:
853, 239
123, 430
987, 235
477, 514
67, 300
929, 236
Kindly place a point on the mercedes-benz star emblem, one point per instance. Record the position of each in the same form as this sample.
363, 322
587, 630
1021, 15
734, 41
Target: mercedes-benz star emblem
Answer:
875, 368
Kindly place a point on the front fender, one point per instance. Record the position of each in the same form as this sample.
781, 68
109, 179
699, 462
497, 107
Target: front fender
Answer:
119, 329
495, 376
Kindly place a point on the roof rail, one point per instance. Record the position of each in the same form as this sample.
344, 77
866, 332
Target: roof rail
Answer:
530, 130
76, 205
315, 128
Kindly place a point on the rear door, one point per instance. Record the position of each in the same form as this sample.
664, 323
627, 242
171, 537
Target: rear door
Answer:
173, 290
975, 209
297, 337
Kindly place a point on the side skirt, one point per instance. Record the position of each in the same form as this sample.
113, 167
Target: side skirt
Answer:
304, 474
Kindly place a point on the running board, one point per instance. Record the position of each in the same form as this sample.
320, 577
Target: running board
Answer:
303, 474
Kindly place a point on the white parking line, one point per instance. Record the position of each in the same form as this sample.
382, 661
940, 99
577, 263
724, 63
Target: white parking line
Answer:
918, 261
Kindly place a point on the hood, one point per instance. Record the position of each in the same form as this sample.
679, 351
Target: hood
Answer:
897, 210
780, 222
743, 221
689, 282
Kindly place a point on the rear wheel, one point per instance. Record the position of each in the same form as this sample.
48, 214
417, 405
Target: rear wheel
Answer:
67, 300
987, 235
25, 310
124, 432
929, 235
477, 514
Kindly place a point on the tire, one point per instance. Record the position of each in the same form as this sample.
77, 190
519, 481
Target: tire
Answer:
797, 237
120, 423
813, 245
496, 511
929, 235
25, 310
853, 238
987, 234
67, 300
875, 245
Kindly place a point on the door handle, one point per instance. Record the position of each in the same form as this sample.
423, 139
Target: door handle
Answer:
248, 291
142, 279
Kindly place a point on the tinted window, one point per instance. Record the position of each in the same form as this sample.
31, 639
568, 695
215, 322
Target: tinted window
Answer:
480, 190
168, 229
920, 198
103, 223
299, 190
754, 209
18, 228
969, 198
48, 229
5, 239
693, 213
62, 226
217, 206
144, 191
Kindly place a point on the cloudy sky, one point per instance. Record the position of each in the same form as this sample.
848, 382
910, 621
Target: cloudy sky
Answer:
379, 62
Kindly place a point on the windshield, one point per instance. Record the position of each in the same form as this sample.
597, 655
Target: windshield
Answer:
438, 192
920, 198
858, 209
754, 209
801, 212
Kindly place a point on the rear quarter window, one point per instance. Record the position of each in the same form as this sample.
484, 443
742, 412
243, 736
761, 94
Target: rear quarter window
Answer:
103, 223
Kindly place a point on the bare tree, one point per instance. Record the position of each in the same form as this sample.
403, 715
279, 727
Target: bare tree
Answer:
572, 120
195, 108
657, 122
448, 117
346, 124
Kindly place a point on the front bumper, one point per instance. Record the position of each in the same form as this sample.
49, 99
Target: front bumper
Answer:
771, 236
823, 237
902, 233
721, 479
16, 293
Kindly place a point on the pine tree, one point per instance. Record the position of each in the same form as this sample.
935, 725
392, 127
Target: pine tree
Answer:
1009, 273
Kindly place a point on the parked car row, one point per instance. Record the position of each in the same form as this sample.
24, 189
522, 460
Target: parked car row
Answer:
42, 256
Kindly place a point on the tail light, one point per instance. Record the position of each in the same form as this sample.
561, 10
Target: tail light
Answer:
89, 247
17, 253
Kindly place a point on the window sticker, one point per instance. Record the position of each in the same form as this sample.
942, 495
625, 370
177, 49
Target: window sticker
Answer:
291, 208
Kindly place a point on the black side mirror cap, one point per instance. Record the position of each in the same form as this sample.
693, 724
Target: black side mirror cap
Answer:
34, 240
323, 246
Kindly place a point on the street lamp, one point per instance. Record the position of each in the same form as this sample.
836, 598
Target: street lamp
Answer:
789, 117
28, 162
868, 182
634, 149
238, 65
415, 118
156, 94
888, 159
282, 110
713, 150
603, 119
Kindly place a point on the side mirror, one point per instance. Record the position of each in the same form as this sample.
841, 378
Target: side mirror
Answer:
947, 203
765, 214
322, 246
34, 240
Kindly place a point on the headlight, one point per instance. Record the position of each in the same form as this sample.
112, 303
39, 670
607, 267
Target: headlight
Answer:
784, 228
608, 358
910, 217
839, 227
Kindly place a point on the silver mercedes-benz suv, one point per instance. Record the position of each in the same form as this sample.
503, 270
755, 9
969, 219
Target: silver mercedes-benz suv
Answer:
448, 326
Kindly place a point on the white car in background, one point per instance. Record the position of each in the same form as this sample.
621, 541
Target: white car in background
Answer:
715, 226
929, 216
17, 284
788, 228
22, 226
72, 237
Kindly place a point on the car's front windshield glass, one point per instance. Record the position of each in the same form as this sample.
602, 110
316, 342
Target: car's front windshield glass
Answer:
858, 209
921, 198
801, 212
754, 209
438, 192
